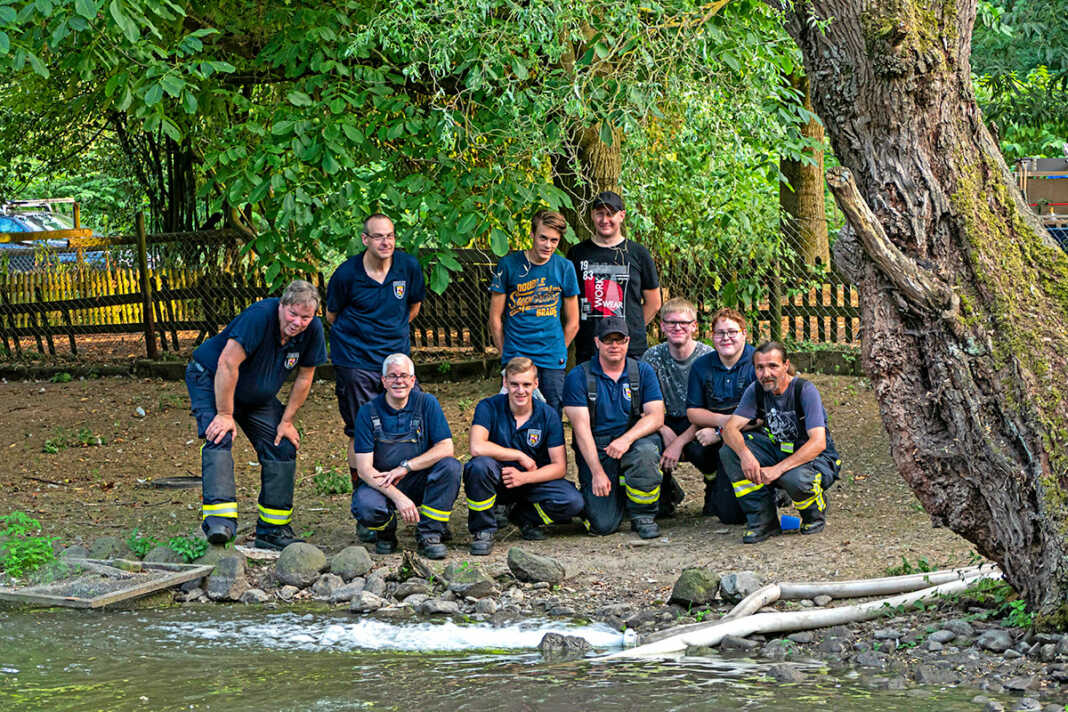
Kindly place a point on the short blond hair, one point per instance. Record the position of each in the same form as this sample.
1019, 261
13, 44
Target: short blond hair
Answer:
519, 364
678, 304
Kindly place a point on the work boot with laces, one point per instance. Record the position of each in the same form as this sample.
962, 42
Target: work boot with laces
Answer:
277, 538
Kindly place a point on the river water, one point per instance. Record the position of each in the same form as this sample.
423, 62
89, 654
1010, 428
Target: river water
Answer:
245, 658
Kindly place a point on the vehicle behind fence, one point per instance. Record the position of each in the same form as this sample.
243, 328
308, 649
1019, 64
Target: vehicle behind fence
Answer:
166, 293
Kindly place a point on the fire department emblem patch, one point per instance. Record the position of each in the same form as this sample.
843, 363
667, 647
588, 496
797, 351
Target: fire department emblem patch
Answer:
399, 288
291, 359
533, 437
626, 391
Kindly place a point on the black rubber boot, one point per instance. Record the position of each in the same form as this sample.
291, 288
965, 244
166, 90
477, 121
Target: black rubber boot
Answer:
812, 520
646, 527
430, 546
482, 543
277, 538
761, 527
365, 535
218, 533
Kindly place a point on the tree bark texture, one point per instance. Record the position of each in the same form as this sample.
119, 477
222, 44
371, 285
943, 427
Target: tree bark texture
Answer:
964, 296
801, 198
589, 167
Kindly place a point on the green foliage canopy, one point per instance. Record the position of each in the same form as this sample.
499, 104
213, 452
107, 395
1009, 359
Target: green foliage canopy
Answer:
455, 119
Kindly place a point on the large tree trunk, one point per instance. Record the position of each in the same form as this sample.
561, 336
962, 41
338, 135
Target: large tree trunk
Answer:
588, 167
964, 296
801, 197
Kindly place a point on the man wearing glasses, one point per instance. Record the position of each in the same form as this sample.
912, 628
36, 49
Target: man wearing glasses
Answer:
616, 410
371, 299
404, 459
717, 381
672, 360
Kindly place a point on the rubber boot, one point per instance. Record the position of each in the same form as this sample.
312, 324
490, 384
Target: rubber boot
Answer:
363, 534
761, 526
273, 530
219, 495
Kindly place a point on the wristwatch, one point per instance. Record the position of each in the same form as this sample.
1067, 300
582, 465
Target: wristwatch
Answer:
406, 466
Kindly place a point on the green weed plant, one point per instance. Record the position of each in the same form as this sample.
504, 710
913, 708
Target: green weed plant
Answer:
22, 548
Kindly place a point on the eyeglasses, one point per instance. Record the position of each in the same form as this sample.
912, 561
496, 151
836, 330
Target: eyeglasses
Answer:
613, 339
727, 334
400, 377
677, 324
379, 236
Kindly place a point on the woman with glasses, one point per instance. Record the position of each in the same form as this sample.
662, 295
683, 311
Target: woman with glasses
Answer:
717, 382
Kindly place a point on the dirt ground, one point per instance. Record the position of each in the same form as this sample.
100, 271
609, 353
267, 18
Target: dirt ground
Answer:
81, 489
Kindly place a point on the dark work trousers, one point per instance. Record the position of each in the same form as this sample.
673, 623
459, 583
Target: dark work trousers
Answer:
551, 385
433, 489
634, 480
805, 484
554, 501
277, 462
719, 495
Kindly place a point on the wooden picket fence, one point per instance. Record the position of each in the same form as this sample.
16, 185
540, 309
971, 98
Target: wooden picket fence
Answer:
166, 289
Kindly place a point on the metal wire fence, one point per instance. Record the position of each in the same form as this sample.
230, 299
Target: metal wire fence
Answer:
112, 298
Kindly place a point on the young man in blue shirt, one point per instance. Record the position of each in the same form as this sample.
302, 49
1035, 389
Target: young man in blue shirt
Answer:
617, 447
517, 457
233, 380
793, 450
371, 300
534, 305
404, 459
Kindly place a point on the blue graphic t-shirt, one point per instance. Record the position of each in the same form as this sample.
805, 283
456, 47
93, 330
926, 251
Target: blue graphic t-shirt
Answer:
372, 317
533, 306
267, 362
541, 431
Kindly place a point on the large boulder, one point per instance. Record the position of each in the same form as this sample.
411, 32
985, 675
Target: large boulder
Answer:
467, 580
695, 587
526, 566
735, 586
164, 554
228, 580
348, 591
325, 586
350, 562
299, 564
365, 602
109, 547
556, 646
75, 551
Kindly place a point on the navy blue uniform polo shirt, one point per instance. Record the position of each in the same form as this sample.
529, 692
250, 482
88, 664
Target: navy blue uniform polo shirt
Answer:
613, 397
717, 388
267, 362
399, 422
541, 431
372, 318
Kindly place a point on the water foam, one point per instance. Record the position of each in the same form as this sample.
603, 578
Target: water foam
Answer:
310, 632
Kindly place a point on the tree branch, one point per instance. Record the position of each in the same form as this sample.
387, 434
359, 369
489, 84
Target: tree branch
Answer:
926, 293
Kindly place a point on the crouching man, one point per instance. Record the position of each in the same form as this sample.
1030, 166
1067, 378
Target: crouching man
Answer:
616, 409
403, 451
517, 457
233, 380
793, 451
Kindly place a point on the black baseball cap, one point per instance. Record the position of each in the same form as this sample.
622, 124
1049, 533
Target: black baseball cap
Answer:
608, 199
612, 325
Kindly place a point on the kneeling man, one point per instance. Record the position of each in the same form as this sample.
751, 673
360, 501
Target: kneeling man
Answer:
404, 459
616, 409
517, 456
794, 450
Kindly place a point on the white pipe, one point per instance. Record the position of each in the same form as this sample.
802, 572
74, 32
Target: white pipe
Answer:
712, 634
856, 588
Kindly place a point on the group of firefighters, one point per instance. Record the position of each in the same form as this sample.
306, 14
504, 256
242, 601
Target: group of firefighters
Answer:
736, 412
